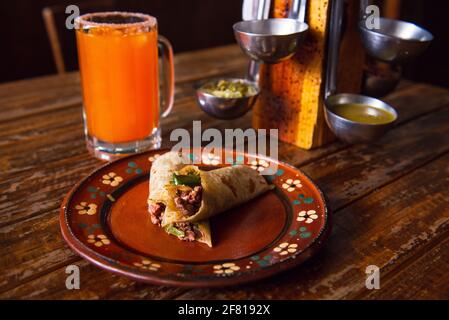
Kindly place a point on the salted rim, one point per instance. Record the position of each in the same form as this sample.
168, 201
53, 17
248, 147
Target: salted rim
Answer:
83, 21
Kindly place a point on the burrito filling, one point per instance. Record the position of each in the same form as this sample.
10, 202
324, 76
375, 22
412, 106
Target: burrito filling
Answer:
187, 200
185, 231
156, 211
189, 194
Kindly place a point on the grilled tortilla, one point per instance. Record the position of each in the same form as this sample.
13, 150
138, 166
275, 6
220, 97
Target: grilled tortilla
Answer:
160, 176
212, 193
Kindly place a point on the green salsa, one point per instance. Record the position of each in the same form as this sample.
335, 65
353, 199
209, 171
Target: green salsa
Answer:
363, 113
229, 89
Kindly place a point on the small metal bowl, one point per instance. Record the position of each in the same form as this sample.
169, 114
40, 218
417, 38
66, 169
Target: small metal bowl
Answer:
226, 108
395, 40
270, 40
351, 131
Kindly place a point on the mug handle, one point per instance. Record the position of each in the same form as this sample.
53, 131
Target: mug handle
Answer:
168, 71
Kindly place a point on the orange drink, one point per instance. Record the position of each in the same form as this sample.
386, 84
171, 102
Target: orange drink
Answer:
118, 58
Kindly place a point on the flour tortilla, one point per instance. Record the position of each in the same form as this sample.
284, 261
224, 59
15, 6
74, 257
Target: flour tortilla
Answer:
161, 174
223, 189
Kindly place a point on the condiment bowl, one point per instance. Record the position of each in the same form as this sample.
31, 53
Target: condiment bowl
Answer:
394, 40
226, 108
351, 131
270, 40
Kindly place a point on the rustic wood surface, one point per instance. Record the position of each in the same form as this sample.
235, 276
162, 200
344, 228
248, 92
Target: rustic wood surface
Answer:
390, 199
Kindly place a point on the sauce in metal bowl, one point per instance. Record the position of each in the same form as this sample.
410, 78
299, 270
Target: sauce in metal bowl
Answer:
363, 113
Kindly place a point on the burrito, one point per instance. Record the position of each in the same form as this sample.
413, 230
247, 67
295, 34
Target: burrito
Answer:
161, 175
194, 195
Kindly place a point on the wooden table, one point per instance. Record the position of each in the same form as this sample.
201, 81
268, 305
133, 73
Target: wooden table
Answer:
390, 199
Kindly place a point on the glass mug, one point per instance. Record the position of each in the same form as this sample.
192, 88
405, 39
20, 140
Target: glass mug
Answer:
118, 58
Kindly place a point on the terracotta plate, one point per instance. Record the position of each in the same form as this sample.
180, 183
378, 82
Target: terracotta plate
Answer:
104, 219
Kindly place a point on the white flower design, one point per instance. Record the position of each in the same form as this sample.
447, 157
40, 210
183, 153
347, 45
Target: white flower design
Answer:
112, 179
147, 265
226, 268
211, 159
153, 157
286, 248
98, 240
84, 208
259, 165
290, 184
307, 216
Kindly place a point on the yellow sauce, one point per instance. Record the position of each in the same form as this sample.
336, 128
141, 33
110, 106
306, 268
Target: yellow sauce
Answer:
363, 113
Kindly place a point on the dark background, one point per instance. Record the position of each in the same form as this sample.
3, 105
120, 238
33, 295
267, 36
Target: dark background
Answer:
190, 25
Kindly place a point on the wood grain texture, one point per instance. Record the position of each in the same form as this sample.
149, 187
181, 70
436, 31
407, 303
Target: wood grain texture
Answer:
389, 197
425, 277
390, 228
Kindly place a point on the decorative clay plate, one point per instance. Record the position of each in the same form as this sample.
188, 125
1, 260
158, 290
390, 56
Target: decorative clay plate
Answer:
105, 220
